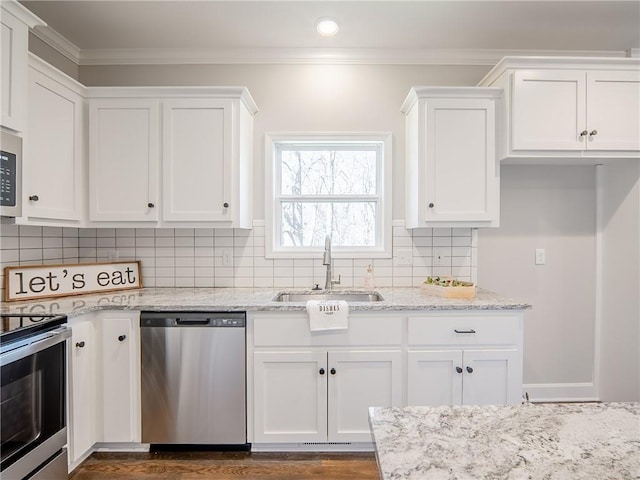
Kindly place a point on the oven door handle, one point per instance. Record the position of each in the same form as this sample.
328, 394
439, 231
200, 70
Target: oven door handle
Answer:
36, 344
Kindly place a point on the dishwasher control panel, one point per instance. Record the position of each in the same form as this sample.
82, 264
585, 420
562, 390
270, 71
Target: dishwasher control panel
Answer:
192, 319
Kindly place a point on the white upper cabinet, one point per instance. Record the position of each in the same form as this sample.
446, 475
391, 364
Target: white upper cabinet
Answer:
613, 110
452, 178
123, 159
568, 108
196, 159
15, 22
53, 182
172, 156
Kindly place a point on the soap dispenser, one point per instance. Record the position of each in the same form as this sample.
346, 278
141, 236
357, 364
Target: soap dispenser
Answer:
369, 279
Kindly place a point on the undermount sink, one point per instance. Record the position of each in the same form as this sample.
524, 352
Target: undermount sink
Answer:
322, 295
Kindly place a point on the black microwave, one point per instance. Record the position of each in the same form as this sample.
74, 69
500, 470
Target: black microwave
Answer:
10, 175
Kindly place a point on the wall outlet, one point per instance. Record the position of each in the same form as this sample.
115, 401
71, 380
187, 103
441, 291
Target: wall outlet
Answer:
541, 256
404, 256
227, 257
439, 261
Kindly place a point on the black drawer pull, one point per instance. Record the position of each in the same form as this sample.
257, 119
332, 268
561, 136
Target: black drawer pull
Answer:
459, 369
464, 331
121, 338
80, 344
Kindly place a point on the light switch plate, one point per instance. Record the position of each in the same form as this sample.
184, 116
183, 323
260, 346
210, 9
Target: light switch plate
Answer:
541, 256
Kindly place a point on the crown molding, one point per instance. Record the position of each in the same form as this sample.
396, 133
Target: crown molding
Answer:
351, 56
58, 43
21, 13
314, 56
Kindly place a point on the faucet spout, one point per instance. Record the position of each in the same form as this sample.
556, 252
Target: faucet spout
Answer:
326, 260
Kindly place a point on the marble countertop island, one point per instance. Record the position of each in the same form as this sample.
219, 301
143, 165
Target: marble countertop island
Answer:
595, 441
248, 299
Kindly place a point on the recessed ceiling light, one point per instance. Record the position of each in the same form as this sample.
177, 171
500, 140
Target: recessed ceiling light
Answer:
327, 26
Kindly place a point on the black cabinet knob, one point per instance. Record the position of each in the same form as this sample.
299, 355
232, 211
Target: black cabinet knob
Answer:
469, 370
34, 198
225, 205
431, 205
121, 338
322, 371
151, 205
332, 371
459, 369
80, 344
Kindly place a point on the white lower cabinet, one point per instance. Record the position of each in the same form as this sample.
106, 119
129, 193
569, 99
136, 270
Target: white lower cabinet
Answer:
120, 377
319, 396
359, 380
104, 381
82, 398
316, 387
463, 377
290, 396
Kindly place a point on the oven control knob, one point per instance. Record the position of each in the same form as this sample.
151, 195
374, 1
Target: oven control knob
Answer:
121, 338
80, 344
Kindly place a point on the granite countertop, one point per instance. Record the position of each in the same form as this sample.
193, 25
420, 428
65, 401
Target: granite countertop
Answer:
545, 441
249, 299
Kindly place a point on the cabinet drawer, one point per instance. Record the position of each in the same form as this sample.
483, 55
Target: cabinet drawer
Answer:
465, 330
293, 330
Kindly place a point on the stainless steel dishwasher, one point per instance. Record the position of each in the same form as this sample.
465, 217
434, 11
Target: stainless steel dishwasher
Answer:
193, 378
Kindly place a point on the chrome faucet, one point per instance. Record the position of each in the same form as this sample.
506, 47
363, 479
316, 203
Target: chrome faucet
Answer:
326, 260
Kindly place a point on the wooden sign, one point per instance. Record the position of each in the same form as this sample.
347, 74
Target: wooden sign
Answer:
46, 281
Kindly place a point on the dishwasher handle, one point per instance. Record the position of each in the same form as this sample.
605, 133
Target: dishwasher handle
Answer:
185, 322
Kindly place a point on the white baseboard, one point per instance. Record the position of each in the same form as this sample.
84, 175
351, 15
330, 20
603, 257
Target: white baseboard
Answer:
561, 392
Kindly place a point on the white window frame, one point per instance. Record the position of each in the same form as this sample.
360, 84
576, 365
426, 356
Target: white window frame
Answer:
273, 249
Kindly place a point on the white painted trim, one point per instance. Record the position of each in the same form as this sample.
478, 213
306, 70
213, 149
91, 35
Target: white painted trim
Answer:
313, 447
56, 75
449, 92
561, 392
573, 61
58, 43
21, 13
384, 250
175, 91
597, 334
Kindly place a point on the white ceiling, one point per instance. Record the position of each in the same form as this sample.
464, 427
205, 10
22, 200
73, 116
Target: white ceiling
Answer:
413, 31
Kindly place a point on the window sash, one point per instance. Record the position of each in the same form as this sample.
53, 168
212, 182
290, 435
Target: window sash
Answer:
379, 143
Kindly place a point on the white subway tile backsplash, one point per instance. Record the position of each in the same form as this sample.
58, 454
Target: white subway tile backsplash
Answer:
191, 257
9, 243
31, 242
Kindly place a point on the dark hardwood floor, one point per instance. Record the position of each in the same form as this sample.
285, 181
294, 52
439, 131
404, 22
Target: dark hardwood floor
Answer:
227, 466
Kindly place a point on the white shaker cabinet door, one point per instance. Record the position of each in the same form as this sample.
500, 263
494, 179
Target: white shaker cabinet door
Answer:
613, 110
359, 380
434, 377
13, 83
491, 377
53, 152
548, 111
120, 378
82, 405
196, 159
461, 182
123, 159
290, 403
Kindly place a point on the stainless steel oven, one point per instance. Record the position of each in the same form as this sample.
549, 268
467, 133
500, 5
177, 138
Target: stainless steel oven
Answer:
33, 397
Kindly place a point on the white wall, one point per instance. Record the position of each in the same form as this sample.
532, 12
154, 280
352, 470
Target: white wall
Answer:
620, 324
306, 98
552, 208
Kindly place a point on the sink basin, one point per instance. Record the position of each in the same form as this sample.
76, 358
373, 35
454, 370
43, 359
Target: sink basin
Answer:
346, 296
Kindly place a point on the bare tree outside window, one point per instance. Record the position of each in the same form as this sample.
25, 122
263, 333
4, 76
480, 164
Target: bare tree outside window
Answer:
329, 189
